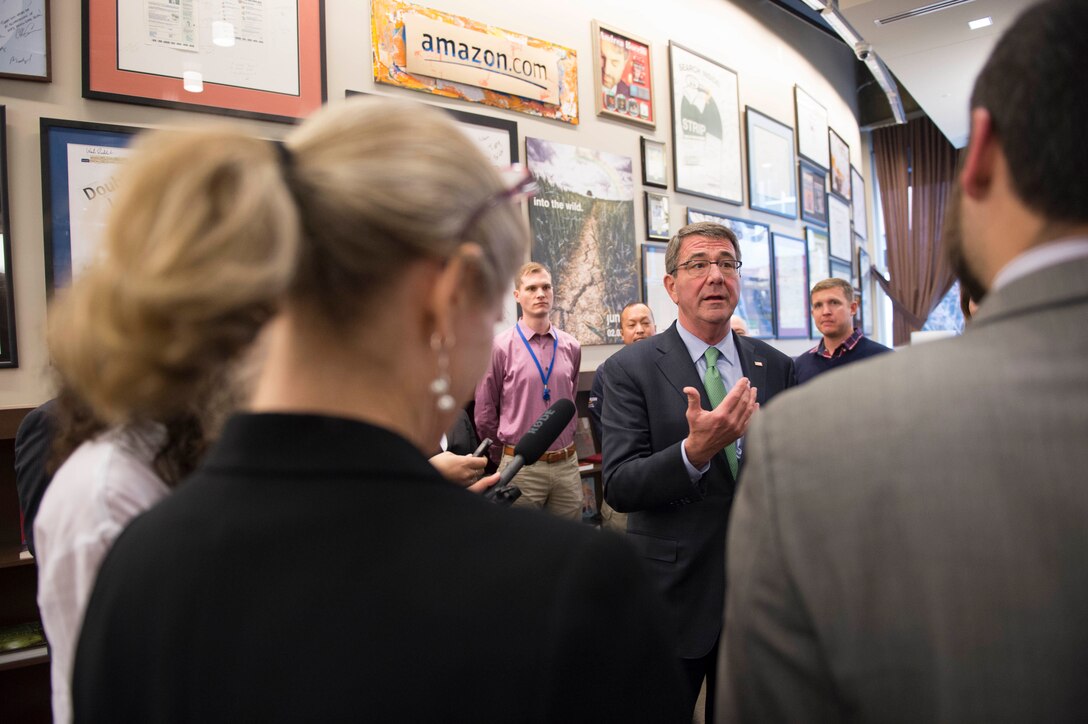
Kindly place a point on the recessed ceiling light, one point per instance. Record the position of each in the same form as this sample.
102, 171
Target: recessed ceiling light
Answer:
981, 23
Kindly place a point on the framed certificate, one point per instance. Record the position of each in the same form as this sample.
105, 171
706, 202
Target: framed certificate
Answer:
772, 181
756, 303
80, 162
840, 165
262, 60
655, 167
790, 292
654, 295
657, 216
811, 129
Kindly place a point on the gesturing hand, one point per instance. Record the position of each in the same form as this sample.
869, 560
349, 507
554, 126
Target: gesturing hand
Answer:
710, 431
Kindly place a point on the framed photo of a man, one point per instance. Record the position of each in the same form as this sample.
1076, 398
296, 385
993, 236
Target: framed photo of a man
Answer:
622, 76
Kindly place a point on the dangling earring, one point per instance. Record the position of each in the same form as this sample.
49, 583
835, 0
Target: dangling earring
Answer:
440, 385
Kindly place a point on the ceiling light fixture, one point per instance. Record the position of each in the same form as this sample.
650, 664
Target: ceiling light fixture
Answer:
981, 23
887, 83
838, 23
816, 5
924, 10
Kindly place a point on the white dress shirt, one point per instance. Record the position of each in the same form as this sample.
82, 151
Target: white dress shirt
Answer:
103, 485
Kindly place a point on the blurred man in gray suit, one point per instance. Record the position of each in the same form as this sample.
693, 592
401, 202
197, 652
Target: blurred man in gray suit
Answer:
910, 538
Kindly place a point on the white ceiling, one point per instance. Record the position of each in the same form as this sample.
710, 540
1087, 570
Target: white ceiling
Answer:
936, 56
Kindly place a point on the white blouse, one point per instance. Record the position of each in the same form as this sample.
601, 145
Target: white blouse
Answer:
103, 485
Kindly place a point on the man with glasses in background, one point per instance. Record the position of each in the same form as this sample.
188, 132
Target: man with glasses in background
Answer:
678, 405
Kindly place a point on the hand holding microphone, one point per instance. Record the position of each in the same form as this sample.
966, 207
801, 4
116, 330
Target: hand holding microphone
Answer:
531, 446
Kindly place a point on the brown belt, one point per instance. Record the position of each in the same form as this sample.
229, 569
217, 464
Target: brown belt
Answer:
553, 456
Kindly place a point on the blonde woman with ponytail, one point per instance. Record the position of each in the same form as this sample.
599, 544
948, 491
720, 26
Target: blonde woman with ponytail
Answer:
200, 248
315, 567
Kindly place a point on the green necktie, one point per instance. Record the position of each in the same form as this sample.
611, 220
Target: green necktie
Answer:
715, 390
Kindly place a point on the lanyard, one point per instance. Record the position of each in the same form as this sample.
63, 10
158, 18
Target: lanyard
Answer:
543, 377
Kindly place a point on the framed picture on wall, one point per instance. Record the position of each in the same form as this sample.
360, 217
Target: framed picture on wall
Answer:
838, 214
865, 273
705, 127
256, 60
24, 41
790, 287
813, 185
655, 165
841, 270
657, 216
819, 261
80, 162
756, 305
811, 128
858, 202
858, 244
772, 182
623, 76
840, 165
497, 138
9, 355
654, 295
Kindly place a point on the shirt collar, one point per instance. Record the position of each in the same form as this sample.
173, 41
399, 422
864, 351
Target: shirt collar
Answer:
849, 344
529, 331
697, 347
1040, 257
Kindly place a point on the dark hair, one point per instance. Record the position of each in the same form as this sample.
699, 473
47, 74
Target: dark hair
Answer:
1033, 86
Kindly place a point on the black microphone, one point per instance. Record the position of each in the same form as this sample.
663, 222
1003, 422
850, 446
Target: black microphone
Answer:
535, 442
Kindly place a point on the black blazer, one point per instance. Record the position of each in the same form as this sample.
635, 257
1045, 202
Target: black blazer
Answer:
33, 447
677, 526
319, 569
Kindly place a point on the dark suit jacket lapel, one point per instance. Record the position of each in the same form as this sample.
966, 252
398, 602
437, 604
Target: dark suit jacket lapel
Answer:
753, 365
675, 363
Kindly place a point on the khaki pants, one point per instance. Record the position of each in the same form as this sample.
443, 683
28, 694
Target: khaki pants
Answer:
555, 487
613, 520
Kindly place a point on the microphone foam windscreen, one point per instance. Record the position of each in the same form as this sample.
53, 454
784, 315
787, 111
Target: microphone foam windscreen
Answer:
544, 431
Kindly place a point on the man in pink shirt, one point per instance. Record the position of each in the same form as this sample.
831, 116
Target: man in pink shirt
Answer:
533, 364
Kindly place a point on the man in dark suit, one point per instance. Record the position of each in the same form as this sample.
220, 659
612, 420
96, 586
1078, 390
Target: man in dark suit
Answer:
671, 436
937, 571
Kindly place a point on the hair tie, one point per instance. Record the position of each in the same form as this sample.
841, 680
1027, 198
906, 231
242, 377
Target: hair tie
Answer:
287, 159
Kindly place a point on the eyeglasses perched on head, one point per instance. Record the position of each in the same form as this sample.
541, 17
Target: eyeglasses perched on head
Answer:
701, 267
518, 184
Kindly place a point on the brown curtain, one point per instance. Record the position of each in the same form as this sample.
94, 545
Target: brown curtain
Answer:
915, 156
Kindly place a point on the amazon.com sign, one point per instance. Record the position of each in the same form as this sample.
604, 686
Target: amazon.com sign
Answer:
440, 50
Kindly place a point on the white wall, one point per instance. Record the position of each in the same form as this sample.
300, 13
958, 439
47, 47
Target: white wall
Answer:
770, 49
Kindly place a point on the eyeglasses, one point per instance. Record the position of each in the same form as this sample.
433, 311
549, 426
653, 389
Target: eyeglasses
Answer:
519, 184
701, 267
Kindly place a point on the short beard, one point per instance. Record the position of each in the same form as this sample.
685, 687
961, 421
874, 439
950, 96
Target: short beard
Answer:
976, 289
